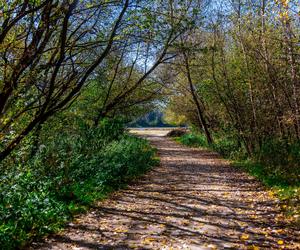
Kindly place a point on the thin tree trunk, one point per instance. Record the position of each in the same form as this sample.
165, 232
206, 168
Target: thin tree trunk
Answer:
254, 125
272, 87
288, 36
201, 118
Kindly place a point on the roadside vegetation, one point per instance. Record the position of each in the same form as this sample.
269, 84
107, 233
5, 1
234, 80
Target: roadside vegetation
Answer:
71, 169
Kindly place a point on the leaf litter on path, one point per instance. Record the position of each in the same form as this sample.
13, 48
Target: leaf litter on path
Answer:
193, 200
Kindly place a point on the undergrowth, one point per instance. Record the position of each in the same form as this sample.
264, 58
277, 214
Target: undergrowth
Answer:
69, 171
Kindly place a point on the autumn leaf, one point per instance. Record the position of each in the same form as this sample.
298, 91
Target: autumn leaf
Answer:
148, 240
280, 242
244, 237
121, 230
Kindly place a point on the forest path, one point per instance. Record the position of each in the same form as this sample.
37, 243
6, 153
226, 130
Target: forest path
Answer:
193, 200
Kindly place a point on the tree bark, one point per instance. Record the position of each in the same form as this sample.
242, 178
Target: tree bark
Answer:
200, 113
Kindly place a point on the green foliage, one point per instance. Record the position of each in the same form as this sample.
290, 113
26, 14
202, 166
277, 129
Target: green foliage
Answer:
125, 159
277, 159
225, 146
28, 207
67, 174
281, 159
195, 140
111, 129
229, 147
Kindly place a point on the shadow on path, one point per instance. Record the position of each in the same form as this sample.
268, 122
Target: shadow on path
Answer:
193, 200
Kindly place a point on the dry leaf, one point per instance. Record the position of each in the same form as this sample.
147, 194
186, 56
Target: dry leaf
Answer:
280, 242
244, 236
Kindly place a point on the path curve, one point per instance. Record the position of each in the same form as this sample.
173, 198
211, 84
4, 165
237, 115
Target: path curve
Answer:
193, 200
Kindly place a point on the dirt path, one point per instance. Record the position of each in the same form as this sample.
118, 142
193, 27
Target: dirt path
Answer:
193, 200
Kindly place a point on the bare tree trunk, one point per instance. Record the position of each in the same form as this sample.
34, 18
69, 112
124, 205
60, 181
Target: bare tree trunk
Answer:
272, 86
295, 82
200, 113
232, 115
254, 125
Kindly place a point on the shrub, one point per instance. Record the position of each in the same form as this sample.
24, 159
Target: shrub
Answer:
196, 140
228, 148
66, 174
281, 159
126, 159
176, 133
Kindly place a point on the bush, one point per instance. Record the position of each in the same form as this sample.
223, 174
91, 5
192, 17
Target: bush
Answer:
225, 146
228, 148
176, 133
65, 175
126, 159
281, 159
196, 140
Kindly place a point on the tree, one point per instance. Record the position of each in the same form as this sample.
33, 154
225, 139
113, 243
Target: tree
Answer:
48, 54
246, 71
51, 50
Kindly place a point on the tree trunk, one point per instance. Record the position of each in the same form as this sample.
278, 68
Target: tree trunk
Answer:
201, 118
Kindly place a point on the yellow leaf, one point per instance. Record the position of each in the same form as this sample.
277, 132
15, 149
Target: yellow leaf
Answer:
148, 240
245, 237
280, 242
121, 230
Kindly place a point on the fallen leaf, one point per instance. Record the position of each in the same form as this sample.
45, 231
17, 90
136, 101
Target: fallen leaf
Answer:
244, 236
280, 242
148, 240
121, 230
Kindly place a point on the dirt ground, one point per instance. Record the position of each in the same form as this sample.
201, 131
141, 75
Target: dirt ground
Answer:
193, 200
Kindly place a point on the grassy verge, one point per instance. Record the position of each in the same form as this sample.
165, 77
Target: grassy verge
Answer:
288, 194
283, 185
64, 178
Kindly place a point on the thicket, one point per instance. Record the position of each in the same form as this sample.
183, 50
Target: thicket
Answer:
71, 168
237, 82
